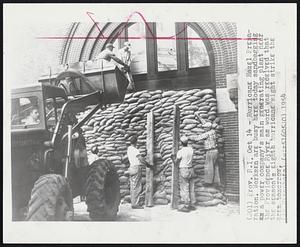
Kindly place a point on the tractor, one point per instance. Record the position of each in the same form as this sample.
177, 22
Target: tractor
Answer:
49, 161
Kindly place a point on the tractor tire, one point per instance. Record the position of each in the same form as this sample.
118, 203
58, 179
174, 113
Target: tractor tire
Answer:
102, 191
51, 199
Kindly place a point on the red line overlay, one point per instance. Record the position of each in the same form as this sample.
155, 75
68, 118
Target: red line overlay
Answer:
117, 36
159, 38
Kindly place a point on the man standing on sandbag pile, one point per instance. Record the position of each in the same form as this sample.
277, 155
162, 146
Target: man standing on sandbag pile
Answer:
125, 55
186, 175
211, 175
135, 170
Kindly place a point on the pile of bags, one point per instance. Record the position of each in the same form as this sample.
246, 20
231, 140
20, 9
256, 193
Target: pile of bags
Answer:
110, 129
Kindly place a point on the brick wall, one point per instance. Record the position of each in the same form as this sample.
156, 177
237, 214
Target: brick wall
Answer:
225, 51
231, 151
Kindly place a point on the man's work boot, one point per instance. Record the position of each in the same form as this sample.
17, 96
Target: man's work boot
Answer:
192, 207
184, 209
137, 207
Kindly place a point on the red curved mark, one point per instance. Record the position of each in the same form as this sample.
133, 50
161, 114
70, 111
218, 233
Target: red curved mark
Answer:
144, 20
177, 34
126, 23
140, 37
88, 13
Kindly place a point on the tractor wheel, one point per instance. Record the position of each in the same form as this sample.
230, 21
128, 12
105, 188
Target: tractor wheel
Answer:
51, 199
102, 191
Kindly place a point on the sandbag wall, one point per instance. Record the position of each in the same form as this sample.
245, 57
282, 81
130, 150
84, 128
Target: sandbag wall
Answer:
110, 129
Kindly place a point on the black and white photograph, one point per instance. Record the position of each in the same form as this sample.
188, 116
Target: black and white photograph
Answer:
117, 122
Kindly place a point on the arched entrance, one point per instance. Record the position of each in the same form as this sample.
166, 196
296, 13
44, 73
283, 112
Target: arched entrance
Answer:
173, 63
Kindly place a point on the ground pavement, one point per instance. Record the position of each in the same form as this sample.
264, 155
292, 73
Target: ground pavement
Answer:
163, 213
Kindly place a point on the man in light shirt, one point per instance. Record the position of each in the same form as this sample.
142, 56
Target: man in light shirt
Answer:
108, 55
135, 170
94, 155
125, 55
209, 137
184, 158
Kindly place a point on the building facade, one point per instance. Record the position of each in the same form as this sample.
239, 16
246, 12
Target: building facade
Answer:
164, 69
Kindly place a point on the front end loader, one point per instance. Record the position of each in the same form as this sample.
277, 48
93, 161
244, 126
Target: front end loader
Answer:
49, 157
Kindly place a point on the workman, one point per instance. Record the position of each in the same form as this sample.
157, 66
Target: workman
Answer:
135, 170
184, 158
107, 54
211, 171
125, 55
94, 155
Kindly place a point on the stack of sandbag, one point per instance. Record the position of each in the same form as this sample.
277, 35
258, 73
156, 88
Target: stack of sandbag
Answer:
209, 195
111, 128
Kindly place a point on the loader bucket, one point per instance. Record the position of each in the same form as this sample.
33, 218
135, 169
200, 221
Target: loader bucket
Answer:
110, 81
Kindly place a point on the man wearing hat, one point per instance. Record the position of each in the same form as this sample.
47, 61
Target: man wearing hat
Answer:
211, 171
185, 157
107, 54
125, 55
135, 170
94, 154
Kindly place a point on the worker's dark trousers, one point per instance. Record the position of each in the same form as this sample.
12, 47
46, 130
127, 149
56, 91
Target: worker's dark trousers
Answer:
135, 185
187, 186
